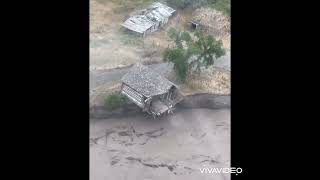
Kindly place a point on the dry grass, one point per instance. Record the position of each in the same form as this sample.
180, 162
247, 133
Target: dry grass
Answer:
212, 81
215, 23
97, 98
110, 47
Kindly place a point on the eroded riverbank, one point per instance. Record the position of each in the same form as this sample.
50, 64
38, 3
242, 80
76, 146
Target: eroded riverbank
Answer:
209, 101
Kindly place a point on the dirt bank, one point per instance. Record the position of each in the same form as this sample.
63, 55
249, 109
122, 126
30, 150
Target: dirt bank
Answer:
210, 101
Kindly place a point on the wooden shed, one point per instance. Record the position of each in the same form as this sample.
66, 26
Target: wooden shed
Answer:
150, 19
149, 90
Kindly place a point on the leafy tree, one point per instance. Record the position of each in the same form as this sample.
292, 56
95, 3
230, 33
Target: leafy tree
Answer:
198, 52
179, 57
206, 49
178, 37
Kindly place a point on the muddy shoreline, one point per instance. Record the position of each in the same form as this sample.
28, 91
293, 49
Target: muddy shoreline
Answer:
209, 101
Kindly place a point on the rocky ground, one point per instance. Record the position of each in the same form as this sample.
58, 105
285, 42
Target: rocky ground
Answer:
173, 147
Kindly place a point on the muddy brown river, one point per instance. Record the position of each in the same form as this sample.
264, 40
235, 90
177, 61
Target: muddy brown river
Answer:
174, 147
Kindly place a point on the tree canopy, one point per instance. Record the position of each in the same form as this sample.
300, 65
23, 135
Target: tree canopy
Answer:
192, 53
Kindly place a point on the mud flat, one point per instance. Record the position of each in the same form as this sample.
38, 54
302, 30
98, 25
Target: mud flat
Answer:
175, 147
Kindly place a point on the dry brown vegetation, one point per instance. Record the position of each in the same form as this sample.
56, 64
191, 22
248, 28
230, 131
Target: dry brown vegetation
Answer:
215, 23
111, 47
211, 81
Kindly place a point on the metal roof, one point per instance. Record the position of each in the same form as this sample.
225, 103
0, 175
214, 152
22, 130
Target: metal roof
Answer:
158, 11
154, 13
138, 23
163, 7
146, 81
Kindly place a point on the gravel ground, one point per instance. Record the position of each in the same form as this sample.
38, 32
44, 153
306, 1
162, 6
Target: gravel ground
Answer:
173, 147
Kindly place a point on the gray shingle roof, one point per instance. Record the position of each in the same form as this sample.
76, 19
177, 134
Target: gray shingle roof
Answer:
146, 81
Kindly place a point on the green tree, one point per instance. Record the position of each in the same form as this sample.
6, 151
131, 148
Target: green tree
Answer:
179, 37
179, 57
206, 49
200, 51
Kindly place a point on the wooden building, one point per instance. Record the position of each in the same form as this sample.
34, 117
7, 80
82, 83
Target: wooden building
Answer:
149, 90
149, 20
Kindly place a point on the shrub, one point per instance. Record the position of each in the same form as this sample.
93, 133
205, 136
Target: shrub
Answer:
115, 101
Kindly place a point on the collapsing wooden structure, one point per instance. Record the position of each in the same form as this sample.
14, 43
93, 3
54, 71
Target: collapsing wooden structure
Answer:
149, 90
150, 19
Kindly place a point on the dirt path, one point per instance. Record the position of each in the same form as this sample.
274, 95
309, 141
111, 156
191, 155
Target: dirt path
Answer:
174, 147
105, 77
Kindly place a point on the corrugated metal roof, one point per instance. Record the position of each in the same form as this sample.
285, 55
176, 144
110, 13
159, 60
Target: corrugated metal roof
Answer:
154, 13
162, 6
146, 81
138, 23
